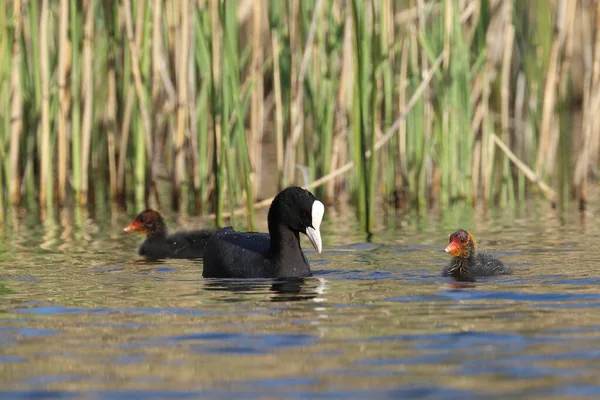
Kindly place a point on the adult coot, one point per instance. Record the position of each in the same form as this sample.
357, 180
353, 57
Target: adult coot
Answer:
467, 264
160, 245
231, 254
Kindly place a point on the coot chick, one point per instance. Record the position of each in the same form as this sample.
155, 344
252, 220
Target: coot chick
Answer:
160, 245
467, 264
231, 254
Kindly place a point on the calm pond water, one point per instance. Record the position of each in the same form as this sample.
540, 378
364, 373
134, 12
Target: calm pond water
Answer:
83, 317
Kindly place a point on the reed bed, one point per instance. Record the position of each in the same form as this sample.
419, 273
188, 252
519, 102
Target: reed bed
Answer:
211, 106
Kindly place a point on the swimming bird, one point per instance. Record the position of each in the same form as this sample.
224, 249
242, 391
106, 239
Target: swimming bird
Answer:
278, 254
467, 264
159, 244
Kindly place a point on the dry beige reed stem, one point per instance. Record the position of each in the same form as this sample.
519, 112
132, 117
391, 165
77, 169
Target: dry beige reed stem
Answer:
402, 91
297, 105
156, 55
278, 107
428, 110
595, 135
480, 96
448, 9
409, 15
125, 130
88, 95
475, 169
505, 80
192, 148
137, 78
216, 40
472, 12
216, 74
591, 121
542, 165
110, 118
126, 122
45, 77
343, 105
569, 49
346, 85
257, 102
519, 132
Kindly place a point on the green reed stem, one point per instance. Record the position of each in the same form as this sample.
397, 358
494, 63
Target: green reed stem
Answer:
5, 103
203, 61
218, 169
227, 99
76, 29
34, 21
361, 108
437, 145
231, 48
369, 134
388, 93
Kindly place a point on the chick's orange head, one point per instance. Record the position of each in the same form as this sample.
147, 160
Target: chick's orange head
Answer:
144, 222
461, 243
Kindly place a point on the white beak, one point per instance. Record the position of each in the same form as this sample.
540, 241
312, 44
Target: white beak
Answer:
313, 233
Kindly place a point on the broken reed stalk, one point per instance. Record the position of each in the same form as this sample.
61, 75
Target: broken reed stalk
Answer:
548, 192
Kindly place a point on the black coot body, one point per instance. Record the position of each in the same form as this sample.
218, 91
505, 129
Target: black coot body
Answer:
232, 254
467, 264
180, 245
159, 244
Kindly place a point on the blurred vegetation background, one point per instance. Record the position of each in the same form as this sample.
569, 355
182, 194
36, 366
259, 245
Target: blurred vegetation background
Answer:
211, 106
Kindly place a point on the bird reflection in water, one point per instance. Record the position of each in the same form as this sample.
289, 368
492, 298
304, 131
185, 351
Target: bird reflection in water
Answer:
283, 289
